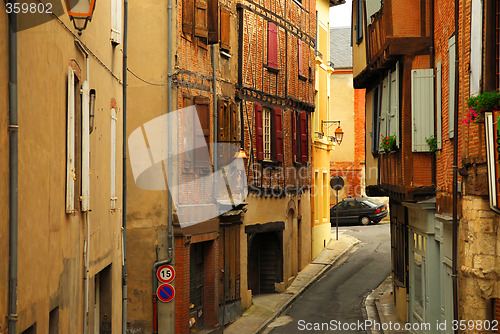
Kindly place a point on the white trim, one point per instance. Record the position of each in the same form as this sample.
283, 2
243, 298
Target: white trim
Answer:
70, 144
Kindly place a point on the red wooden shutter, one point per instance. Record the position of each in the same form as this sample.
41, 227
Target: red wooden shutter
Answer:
213, 21
200, 28
225, 28
303, 136
299, 62
259, 132
272, 45
294, 136
278, 134
202, 160
187, 16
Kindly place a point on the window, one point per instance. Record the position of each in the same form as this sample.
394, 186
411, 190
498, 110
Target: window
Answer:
267, 134
54, 321
359, 21
272, 46
188, 16
491, 45
77, 144
198, 158
228, 129
389, 105
200, 18
225, 29
422, 101
213, 23
300, 62
116, 21
451, 87
476, 47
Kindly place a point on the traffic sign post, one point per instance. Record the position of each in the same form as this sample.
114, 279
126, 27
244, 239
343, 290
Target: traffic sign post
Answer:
337, 183
165, 273
165, 293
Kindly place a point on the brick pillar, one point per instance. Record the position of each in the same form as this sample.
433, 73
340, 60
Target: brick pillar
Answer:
211, 283
181, 286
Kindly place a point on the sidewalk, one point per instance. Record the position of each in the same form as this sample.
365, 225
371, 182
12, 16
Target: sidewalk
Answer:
380, 307
267, 307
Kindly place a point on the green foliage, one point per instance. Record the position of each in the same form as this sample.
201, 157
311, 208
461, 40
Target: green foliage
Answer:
432, 142
484, 101
388, 143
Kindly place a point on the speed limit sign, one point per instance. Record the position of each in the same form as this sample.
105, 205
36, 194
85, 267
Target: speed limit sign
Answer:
165, 273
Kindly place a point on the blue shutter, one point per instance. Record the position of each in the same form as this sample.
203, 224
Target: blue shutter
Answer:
422, 108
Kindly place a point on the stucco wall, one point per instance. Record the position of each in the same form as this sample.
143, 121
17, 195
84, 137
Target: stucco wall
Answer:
342, 109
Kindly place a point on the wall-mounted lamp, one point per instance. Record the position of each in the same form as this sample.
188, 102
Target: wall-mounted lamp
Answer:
92, 110
339, 134
240, 154
80, 12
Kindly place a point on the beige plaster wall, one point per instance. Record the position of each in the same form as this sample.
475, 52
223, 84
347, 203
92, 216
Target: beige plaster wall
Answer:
342, 109
358, 50
51, 242
262, 210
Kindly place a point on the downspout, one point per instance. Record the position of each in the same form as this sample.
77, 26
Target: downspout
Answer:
169, 170
124, 169
455, 175
86, 243
432, 61
13, 174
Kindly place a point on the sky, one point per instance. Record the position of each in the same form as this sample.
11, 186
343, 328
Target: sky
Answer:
340, 16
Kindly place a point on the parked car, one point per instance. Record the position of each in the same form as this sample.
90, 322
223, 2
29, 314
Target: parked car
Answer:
358, 210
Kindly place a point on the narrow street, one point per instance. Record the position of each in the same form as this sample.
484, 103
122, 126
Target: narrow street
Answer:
339, 295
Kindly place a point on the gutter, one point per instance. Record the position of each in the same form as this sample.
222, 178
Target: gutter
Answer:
124, 167
13, 174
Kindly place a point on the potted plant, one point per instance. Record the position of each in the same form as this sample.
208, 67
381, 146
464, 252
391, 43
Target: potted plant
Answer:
479, 104
432, 142
388, 143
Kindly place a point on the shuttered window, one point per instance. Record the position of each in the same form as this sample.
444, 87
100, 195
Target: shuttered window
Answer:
294, 136
85, 147
116, 21
225, 28
259, 132
113, 159
439, 126
422, 108
188, 123
451, 87
393, 115
359, 21
213, 21
70, 144
266, 114
278, 134
384, 108
227, 120
188, 16
303, 135
200, 16
272, 46
202, 136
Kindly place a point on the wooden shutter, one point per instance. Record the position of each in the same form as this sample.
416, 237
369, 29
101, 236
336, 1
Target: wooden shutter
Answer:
225, 28
116, 21
422, 102
113, 159
70, 144
303, 136
300, 63
202, 160
439, 125
234, 122
200, 28
278, 134
188, 16
272, 45
294, 136
384, 108
451, 87
213, 21
476, 47
259, 132
393, 126
223, 121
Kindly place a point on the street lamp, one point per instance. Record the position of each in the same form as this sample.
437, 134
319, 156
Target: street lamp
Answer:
80, 12
339, 133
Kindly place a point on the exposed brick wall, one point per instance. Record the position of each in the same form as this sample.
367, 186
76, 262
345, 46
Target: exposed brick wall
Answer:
359, 125
353, 175
422, 169
211, 284
182, 285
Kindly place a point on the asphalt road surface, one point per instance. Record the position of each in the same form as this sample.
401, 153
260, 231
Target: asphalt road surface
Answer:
337, 299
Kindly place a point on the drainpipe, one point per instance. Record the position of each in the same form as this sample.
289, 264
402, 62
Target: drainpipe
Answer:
169, 171
13, 174
455, 175
124, 167
87, 222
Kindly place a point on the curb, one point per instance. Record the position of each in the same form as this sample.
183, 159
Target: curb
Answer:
316, 277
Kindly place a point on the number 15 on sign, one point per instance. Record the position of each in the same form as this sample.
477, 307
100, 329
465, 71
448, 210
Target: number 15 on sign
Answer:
165, 273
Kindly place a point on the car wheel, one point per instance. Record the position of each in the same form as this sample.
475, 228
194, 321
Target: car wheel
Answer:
365, 220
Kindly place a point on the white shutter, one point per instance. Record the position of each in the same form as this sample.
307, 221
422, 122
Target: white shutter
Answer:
394, 103
70, 144
384, 109
476, 47
116, 21
113, 159
439, 120
451, 87
85, 147
422, 108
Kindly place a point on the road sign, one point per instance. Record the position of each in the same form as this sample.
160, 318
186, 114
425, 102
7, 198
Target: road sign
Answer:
165, 293
337, 183
165, 273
